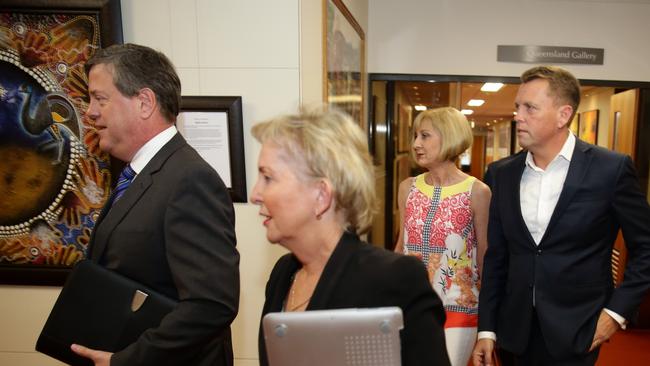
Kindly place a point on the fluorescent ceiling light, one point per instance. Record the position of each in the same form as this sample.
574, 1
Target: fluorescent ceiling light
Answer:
475, 102
491, 87
420, 107
467, 112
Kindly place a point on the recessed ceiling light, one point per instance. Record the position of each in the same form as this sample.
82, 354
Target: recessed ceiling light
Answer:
420, 107
466, 112
415, 88
491, 87
488, 124
475, 102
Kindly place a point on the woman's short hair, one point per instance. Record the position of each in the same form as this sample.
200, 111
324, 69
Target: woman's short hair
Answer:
331, 146
453, 128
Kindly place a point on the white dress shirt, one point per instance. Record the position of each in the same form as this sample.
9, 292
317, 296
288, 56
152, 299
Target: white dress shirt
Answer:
151, 148
540, 189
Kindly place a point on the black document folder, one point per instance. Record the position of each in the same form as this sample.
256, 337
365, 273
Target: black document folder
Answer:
100, 309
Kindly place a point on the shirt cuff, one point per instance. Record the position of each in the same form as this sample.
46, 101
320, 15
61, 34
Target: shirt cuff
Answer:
488, 335
619, 319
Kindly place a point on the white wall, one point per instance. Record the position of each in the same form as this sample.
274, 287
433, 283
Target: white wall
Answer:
460, 37
268, 52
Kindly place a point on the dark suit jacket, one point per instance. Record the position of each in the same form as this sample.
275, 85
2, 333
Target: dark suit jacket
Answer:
570, 270
173, 230
359, 275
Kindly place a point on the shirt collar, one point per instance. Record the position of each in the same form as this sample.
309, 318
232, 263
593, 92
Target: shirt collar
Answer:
566, 152
149, 150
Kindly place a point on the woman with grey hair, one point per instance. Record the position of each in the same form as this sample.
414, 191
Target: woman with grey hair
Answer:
316, 193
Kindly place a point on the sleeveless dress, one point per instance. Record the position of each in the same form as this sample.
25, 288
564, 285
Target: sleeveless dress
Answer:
439, 229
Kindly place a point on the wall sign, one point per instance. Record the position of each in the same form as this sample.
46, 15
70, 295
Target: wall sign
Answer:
551, 54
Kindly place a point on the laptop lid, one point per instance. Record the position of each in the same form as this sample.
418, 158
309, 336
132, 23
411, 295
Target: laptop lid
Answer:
357, 337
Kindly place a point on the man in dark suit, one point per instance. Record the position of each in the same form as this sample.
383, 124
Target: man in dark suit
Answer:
172, 229
547, 292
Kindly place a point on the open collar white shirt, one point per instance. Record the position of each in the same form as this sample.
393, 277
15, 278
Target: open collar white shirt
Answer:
540, 189
151, 148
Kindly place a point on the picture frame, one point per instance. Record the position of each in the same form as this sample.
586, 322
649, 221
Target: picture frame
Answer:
43, 47
615, 130
401, 171
403, 128
589, 126
344, 70
504, 149
575, 124
213, 125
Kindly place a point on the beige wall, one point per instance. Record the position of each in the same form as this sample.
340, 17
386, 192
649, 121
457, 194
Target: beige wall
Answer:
460, 37
268, 52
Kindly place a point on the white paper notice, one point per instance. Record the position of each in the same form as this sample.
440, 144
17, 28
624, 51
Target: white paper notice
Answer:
207, 133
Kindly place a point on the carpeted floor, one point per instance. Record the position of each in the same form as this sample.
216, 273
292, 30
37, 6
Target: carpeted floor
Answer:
628, 348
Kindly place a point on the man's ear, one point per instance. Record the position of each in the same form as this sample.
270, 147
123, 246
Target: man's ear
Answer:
564, 115
147, 102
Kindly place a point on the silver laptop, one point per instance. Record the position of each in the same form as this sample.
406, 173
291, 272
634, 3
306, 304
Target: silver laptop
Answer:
356, 337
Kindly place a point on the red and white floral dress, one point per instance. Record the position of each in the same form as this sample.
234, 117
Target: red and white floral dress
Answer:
439, 229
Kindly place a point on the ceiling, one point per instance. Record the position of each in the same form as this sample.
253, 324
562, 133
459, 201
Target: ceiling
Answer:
498, 105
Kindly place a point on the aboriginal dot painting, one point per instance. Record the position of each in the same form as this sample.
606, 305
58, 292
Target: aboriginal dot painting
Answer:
54, 180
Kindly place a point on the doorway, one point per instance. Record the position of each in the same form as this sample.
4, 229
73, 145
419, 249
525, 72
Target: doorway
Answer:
395, 100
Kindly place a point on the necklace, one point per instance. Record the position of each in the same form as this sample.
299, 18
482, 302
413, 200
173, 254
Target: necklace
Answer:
291, 303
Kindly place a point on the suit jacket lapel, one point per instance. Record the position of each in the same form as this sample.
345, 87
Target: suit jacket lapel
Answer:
334, 269
578, 167
112, 216
512, 183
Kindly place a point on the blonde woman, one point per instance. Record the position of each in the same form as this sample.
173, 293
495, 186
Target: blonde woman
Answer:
316, 194
444, 223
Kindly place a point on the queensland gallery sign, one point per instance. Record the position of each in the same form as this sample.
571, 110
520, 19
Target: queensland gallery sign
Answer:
551, 54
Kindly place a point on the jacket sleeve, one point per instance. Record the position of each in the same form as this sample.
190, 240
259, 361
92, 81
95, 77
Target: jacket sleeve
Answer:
199, 240
423, 336
633, 214
495, 262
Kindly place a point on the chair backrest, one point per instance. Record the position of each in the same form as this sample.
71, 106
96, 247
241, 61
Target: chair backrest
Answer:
357, 337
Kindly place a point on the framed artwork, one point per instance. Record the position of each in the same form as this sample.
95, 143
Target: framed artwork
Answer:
55, 178
214, 127
489, 147
343, 61
589, 126
504, 148
403, 128
401, 171
575, 124
615, 130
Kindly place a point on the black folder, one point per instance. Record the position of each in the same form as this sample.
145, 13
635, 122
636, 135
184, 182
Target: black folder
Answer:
100, 309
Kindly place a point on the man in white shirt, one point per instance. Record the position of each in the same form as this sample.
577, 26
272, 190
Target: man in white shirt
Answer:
547, 294
170, 223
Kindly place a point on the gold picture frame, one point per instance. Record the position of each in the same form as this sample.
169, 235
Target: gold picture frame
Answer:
589, 126
344, 71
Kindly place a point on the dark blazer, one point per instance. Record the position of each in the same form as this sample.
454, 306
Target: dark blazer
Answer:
570, 270
174, 231
358, 275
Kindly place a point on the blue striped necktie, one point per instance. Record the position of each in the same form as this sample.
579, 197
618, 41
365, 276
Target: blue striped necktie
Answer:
123, 182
